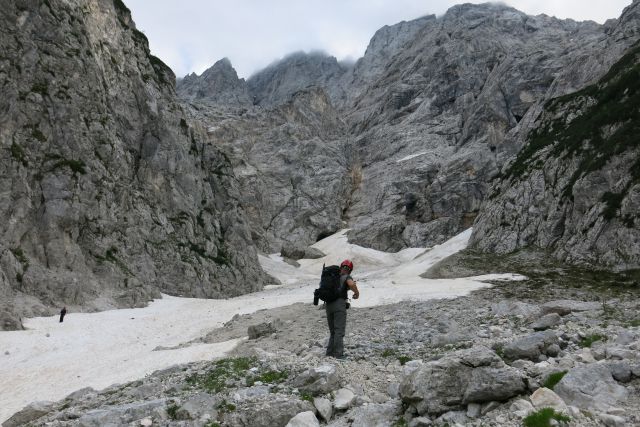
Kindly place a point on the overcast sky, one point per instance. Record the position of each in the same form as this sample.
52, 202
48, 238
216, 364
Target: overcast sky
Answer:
190, 35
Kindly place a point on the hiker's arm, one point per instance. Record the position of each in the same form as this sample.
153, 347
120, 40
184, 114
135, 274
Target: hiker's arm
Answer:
352, 285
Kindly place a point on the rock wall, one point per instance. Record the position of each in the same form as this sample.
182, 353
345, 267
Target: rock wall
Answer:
109, 194
575, 186
432, 112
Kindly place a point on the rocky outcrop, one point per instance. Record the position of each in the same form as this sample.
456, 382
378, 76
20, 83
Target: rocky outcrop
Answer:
217, 85
575, 186
299, 71
110, 194
291, 163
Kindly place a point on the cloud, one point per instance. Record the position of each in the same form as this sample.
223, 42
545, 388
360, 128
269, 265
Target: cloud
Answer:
190, 35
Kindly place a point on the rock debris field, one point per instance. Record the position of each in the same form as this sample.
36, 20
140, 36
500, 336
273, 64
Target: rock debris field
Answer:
497, 356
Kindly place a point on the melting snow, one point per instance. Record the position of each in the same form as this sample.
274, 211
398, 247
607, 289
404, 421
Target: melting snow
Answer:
50, 359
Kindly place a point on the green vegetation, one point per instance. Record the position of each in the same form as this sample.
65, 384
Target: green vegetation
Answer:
222, 371
225, 406
18, 154
172, 411
41, 87
553, 379
606, 124
613, 202
268, 377
306, 396
36, 133
404, 359
388, 352
110, 256
589, 340
543, 417
212, 424
76, 166
400, 422
21, 257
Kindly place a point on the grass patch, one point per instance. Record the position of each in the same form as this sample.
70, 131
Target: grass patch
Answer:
404, 359
389, 352
306, 396
553, 379
589, 340
543, 417
225, 406
268, 377
172, 411
222, 372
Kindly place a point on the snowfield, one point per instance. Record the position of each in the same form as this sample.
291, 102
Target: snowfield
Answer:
50, 359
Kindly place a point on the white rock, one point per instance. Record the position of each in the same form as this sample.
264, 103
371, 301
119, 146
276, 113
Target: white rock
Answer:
585, 356
473, 410
324, 407
521, 408
612, 420
146, 422
304, 419
546, 398
344, 399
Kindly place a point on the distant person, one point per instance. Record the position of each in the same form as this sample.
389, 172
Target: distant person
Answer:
337, 311
62, 313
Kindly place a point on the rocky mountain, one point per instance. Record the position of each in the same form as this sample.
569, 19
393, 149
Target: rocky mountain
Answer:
110, 195
217, 85
434, 110
574, 188
298, 71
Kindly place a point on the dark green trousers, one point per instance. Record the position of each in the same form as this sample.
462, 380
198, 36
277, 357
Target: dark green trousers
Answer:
337, 320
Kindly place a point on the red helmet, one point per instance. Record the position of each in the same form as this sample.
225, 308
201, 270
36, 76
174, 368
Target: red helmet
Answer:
348, 264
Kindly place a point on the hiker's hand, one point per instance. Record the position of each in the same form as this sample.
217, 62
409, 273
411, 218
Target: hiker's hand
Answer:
356, 295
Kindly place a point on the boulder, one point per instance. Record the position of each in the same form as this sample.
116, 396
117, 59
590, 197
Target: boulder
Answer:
344, 399
304, 419
474, 375
121, 414
612, 420
547, 321
516, 308
260, 330
29, 413
530, 347
620, 370
375, 414
591, 387
564, 307
276, 411
324, 407
319, 380
197, 406
521, 408
546, 398
494, 384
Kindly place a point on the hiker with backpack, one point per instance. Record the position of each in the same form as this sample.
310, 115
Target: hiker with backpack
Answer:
335, 284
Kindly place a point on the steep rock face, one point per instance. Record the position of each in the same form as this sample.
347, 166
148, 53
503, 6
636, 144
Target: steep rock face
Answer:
435, 127
217, 85
385, 44
109, 195
575, 186
276, 83
291, 163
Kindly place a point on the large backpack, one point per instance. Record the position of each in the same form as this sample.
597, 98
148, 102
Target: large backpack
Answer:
329, 289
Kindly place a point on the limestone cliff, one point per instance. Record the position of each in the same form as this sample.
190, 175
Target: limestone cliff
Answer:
110, 195
575, 186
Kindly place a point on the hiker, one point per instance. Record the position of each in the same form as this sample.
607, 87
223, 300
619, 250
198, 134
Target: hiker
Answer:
337, 311
62, 313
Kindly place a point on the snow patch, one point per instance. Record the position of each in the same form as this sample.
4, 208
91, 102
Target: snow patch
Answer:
50, 359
